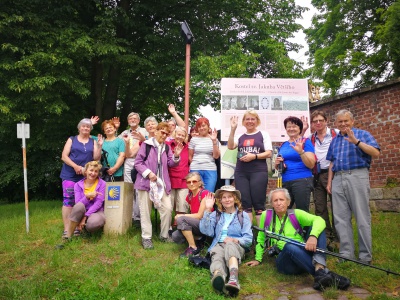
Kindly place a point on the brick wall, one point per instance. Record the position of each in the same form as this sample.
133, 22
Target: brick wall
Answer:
377, 110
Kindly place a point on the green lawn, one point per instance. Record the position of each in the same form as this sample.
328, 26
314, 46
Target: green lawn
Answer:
116, 267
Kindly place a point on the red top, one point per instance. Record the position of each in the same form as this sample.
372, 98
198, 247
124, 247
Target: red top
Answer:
177, 174
194, 201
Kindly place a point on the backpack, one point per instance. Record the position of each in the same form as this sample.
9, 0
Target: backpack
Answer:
292, 218
134, 172
240, 217
315, 169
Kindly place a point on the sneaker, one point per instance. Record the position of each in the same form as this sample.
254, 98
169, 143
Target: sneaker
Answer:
218, 282
190, 252
233, 286
322, 279
341, 282
147, 244
166, 239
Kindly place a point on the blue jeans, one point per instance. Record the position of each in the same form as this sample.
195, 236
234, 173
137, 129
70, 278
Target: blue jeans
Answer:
209, 178
294, 259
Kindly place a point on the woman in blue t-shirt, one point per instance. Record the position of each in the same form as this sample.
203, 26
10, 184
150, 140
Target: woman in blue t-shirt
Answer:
298, 157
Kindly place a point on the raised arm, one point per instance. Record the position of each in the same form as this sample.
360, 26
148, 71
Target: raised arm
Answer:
178, 119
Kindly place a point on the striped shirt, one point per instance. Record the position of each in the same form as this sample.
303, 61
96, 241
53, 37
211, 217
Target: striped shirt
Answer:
346, 155
203, 154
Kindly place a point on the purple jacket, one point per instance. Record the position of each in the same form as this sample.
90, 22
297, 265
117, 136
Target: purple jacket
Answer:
144, 167
92, 206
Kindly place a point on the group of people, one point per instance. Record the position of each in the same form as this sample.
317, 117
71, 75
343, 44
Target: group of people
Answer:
177, 172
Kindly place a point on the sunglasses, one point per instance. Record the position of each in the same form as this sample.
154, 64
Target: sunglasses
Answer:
164, 133
192, 181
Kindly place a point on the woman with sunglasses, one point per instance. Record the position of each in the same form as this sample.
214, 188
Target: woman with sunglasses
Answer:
188, 224
153, 168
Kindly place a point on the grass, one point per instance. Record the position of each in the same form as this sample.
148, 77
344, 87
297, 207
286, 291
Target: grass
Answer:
116, 267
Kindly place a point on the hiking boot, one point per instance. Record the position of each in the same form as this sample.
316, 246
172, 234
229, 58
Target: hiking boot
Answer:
166, 239
341, 282
190, 252
218, 282
147, 244
322, 279
233, 286
200, 243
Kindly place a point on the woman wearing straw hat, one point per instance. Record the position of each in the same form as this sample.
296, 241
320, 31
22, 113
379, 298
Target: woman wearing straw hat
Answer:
232, 235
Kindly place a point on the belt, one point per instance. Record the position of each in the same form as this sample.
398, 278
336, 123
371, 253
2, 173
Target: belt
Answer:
323, 171
343, 172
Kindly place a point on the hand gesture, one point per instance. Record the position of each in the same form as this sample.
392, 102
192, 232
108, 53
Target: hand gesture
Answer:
350, 135
138, 136
116, 122
298, 147
305, 124
213, 135
171, 109
100, 140
209, 198
234, 122
178, 149
152, 177
248, 157
94, 120
91, 195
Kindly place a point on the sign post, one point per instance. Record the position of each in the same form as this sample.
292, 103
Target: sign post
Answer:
23, 133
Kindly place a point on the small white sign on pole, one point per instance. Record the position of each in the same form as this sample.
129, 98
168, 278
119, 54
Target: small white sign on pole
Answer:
23, 133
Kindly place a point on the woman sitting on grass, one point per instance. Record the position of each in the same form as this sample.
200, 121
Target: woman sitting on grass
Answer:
294, 259
188, 224
87, 212
232, 234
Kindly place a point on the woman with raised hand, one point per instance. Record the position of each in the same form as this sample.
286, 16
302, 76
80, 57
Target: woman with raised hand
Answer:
291, 258
251, 172
78, 150
297, 155
232, 235
188, 224
203, 150
113, 151
88, 211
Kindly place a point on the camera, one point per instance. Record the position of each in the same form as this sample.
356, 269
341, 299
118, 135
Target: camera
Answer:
273, 251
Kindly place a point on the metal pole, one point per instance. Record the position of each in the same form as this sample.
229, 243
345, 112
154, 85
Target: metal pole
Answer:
187, 86
25, 177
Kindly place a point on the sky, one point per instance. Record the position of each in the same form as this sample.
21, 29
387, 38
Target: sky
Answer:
300, 56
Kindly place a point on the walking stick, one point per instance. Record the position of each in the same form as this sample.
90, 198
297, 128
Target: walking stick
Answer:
280, 170
279, 237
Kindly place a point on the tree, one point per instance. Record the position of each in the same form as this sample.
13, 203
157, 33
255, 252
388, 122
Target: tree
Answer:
351, 40
64, 60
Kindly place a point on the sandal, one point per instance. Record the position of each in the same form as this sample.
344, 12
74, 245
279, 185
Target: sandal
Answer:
77, 232
64, 235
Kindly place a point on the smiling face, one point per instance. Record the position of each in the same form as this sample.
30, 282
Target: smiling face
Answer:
85, 129
193, 183
203, 129
161, 134
151, 127
133, 121
279, 203
292, 130
344, 122
250, 121
109, 130
171, 125
228, 201
180, 135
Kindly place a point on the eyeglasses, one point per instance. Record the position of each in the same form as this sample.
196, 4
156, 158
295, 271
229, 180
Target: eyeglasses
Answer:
164, 133
319, 121
191, 181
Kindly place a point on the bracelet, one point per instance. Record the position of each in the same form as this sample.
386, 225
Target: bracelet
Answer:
256, 156
358, 143
302, 153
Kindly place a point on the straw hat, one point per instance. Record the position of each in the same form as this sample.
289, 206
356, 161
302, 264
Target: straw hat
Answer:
227, 188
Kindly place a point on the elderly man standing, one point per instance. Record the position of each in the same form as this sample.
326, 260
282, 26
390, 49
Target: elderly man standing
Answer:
350, 154
132, 136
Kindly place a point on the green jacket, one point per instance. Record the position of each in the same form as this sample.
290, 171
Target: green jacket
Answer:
304, 219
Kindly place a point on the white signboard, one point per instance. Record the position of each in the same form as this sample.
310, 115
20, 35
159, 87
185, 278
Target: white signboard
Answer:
23, 131
273, 99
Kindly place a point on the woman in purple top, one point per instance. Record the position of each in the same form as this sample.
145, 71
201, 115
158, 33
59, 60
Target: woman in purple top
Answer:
88, 211
78, 151
251, 172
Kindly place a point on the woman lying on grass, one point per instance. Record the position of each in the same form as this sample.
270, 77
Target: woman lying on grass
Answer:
294, 259
87, 212
232, 234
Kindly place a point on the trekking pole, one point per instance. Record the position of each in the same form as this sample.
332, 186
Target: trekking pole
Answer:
280, 170
279, 237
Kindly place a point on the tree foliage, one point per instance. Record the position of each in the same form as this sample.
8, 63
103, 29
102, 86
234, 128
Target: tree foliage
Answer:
354, 40
64, 60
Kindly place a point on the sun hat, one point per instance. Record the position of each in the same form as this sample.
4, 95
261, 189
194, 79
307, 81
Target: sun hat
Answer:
227, 188
156, 192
